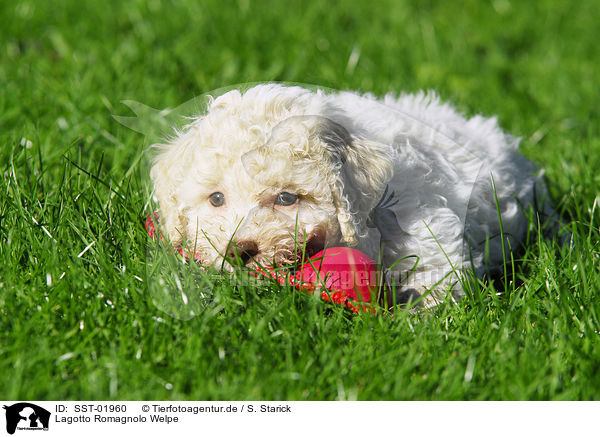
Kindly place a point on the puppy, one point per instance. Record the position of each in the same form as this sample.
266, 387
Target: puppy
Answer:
275, 171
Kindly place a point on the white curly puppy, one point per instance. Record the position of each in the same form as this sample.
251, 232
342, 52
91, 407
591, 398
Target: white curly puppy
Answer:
406, 180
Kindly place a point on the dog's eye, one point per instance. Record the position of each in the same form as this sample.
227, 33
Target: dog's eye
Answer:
217, 199
286, 199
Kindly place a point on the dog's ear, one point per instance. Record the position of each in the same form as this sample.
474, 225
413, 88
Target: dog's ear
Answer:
167, 175
363, 168
363, 163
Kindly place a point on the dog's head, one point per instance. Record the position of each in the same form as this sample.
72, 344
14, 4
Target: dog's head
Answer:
260, 179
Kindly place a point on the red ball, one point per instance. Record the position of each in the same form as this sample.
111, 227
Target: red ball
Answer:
344, 270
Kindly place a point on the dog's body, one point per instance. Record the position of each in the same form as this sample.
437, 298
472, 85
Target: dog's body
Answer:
406, 180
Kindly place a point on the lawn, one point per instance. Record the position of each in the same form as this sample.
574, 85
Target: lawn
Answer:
77, 320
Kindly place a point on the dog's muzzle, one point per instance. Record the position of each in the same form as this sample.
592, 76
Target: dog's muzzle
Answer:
246, 252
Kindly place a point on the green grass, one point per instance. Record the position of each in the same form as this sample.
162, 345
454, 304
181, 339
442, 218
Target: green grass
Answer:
85, 327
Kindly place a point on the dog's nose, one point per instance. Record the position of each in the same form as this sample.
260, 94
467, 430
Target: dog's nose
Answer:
243, 250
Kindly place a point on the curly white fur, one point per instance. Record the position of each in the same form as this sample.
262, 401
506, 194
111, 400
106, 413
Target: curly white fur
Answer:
401, 178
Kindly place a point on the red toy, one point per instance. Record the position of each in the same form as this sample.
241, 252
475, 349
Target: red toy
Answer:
349, 275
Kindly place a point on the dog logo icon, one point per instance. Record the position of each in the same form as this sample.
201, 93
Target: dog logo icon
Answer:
26, 416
